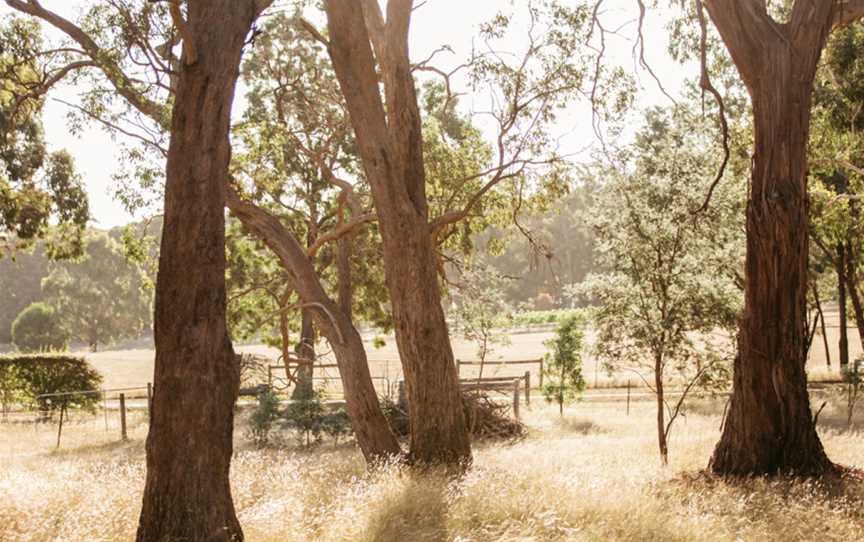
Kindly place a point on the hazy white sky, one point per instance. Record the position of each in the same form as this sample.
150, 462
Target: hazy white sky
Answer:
437, 22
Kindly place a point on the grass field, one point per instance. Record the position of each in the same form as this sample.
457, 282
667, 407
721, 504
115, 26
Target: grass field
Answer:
593, 476
134, 367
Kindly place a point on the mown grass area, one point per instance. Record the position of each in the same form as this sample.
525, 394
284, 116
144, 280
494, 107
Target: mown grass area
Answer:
592, 476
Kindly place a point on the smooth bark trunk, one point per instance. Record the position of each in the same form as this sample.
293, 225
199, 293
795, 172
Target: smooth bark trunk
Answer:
770, 428
371, 428
390, 145
187, 494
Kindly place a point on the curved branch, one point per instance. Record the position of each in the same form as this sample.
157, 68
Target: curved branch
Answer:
339, 231
115, 75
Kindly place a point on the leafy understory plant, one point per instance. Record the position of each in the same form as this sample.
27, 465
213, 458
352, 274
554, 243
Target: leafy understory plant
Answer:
667, 306
563, 364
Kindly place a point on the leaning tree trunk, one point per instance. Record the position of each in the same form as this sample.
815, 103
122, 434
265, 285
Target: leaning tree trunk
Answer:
371, 428
187, 494
770, 428
390, 144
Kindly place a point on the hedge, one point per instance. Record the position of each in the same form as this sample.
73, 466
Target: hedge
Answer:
24, 377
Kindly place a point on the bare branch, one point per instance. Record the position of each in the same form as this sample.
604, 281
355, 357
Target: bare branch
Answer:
706, 85
339, 231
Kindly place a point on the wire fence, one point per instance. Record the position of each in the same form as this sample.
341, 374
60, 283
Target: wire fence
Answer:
57, 419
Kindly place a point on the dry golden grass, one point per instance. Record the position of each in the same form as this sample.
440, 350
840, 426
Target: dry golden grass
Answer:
592, 476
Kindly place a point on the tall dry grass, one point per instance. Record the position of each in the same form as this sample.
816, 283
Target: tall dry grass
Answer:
593, 476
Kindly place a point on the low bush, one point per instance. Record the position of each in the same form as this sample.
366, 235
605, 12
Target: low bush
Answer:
37, 328
28, 377
534, 318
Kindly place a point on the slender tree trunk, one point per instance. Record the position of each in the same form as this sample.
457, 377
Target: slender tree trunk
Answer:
391, 147
841, 308
187, 495
821, 316
371, 428
305, 351
661, 411
770, 428
852, 286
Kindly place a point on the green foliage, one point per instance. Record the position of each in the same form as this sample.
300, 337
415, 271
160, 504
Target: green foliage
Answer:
671, 294
480, 312
20, 285
261, 422
101, 297
563, 365
31, 375
37, 328
533, 318
306, 416
35, 185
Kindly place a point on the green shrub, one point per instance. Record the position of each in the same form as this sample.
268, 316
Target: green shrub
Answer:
37, 328
306, 416
563, 371
29, 376
261, 422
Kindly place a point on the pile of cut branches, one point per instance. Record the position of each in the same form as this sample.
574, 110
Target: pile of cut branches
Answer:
486, 418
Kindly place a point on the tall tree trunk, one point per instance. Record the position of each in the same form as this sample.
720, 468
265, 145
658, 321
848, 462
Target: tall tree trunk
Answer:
770, 427
371, 428
841, 308
305, 351
391, 147
187, 494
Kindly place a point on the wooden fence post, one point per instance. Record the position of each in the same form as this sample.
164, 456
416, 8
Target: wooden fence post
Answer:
123, 417
541, 373
149, 401
528, 388
516, 387
628, 396
60, 427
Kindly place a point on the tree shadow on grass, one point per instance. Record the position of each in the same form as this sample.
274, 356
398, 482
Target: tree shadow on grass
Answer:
580, 426
417, 513
129, 448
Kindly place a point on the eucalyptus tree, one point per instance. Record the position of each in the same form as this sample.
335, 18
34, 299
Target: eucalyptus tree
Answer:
291, 194
776, 49
187, 493
528, 89
837, 171
35, 185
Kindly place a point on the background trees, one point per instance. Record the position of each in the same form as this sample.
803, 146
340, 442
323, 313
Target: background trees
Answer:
35, 185
38, 328
101, 297
667, 300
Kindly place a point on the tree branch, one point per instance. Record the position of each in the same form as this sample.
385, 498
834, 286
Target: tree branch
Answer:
115, 75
